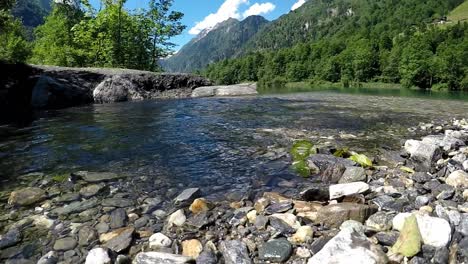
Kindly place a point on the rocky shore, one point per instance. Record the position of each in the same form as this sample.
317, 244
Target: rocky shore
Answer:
25, 88
407, 207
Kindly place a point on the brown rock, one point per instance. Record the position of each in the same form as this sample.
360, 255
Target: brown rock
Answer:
334, 215
200, 205
261, 204
275, 197
27, 196
302, 206
191, 248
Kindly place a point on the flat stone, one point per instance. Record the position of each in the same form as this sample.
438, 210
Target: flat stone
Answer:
334, 215
349, 246
68, 197
235, 252
187, 196
435, 231
27, 196
278, 207
122, 239
98, 256
161, 258
117, 202
227, 90
277, 250
91, 190
118, 218
340, 190
65, 244
76, 207
11, 238
353, 174
97, 176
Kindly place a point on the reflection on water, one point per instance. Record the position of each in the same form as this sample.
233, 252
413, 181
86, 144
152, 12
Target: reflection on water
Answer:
206, 142
418, 93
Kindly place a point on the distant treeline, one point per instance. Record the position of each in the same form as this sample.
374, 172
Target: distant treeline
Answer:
76, 35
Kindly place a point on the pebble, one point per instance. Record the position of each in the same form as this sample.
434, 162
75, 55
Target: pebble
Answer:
118, 218
200, 205
51, 258
235, 252
160, 257
458, 179
177, 218
380, 221
159, 240
303, 235
192, 248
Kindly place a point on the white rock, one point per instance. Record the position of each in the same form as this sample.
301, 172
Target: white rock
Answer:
303, 252
340, 190
352, 225
160, 257
177, 218
434, 231
349, 247
42, 221
98, 256
465, 165
302, 235
289, 219
458, 179
252, 216
159, 240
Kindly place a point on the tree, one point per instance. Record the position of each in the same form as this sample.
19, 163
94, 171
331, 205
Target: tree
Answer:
163, 24
13, 45
416, 65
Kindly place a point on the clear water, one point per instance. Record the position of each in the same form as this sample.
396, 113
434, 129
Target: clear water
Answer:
214, 143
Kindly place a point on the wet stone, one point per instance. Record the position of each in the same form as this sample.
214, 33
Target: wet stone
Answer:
50, 258
102, 228
95, 177
76, 207
87, 235
68, 197
117, 202
65, 244
141, 222
118, 218
122, 241
278, 250
12, 237
27, 196
278, 207
91, 190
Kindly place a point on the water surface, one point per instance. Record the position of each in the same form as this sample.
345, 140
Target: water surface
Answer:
214, 143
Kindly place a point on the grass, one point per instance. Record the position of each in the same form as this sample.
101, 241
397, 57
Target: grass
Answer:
459, 14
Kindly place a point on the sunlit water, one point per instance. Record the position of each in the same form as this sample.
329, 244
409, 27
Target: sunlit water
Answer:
213, 143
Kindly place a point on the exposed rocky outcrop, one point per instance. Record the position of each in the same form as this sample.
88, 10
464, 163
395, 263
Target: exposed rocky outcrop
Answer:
229, 90
25, 88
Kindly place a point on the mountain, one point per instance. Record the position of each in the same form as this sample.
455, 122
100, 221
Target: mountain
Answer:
319, 19
223, 41
32, 12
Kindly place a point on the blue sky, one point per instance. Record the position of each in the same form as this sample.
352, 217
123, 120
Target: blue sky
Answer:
200, 14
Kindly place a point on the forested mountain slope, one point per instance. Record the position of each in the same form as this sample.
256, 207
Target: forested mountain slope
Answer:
352, 41
224, 41
32, 12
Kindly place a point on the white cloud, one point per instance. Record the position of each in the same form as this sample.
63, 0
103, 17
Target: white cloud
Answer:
298, 4
259, 9
230, 8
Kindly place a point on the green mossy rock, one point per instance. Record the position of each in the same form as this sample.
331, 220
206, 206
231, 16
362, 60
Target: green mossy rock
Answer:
302, 149
409, 242
301, 168
362, 160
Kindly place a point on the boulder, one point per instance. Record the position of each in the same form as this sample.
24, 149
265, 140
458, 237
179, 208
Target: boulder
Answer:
345, 189
435, 231
229, 90
160, 257
116, 89
423, 154
334, 215
349, 246
235, 252
27, 196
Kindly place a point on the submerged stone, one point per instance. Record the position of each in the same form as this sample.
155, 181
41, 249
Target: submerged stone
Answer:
27, 196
